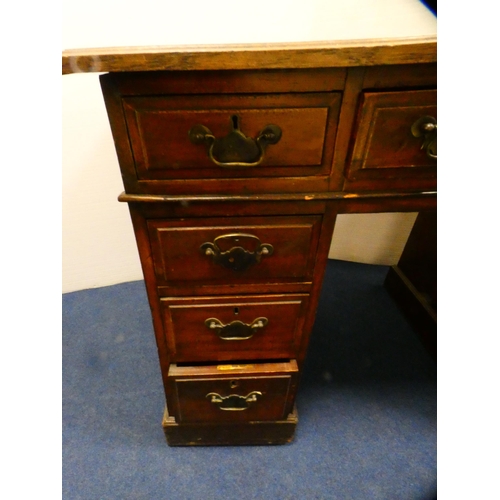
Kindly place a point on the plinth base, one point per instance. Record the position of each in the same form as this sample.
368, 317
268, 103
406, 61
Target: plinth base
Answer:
251, 433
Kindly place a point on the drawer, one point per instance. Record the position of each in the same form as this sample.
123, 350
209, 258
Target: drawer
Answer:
234, 328
395, 138
177, 133
233, 393
234, 250
231, 136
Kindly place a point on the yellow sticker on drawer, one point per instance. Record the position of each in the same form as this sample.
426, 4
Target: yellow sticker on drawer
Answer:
233, 367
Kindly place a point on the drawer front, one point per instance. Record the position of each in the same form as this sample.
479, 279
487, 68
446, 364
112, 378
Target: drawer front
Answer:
396, 136
232, 328
234, 250
164, 133
228, 393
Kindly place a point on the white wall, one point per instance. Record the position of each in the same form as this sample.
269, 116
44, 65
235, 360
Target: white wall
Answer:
98, 244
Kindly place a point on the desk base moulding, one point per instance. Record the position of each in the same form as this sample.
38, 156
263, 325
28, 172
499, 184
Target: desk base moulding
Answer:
248, 433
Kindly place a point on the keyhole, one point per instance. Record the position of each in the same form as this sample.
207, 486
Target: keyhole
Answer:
235, 122
233, 384
236, 310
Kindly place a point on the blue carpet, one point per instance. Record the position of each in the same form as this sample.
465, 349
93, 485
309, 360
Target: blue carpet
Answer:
367, 406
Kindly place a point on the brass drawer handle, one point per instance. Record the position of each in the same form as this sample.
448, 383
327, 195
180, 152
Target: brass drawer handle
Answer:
236, 150
426, 127
236, 330
236, 258
233, 402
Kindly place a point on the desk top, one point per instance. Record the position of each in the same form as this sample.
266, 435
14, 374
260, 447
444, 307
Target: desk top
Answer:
223, 34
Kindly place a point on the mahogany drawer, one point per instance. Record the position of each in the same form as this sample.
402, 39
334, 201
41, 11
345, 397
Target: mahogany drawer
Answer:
163, 130
395, 139
155, 118
234, 249
234, 328
232, 393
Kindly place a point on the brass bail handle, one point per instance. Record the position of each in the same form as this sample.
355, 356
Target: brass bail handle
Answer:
235, 150
233, 402
426, 127
236, 330
236, 258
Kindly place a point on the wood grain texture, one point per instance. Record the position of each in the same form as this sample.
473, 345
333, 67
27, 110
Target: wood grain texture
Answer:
348, 110
397, 76
228, 81
252, 56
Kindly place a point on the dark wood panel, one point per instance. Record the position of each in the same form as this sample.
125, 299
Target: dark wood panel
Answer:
159, 206
257, 433
236, 186
191, 289
385, 153
400, 76
147, 83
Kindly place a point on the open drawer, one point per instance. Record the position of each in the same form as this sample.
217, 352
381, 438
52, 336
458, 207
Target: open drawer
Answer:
232, 393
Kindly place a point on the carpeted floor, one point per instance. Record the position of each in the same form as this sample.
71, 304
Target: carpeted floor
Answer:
367, 407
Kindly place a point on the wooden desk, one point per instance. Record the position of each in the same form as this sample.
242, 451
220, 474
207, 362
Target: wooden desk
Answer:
236, 160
